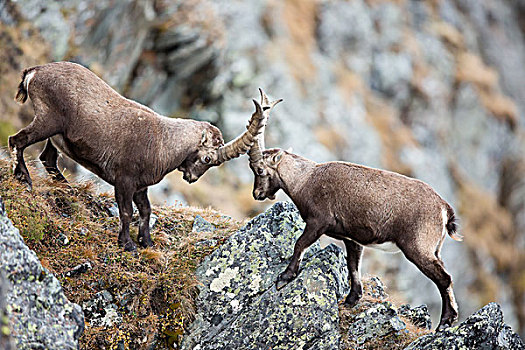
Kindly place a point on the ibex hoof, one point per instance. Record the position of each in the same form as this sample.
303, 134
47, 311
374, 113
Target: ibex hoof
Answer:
443, 325
351, 300
128, 246
283, 280
279, 284
145, 243
25, 180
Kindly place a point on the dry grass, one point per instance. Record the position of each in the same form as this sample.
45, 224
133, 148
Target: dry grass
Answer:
500, 106
154, 288
330, 137
380, 2
471, 68
213, 187
349, 82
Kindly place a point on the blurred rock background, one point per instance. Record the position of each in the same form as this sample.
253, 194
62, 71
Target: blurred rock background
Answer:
431, 89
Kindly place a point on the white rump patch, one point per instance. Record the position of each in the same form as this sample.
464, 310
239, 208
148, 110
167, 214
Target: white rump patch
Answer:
444, 215
27, 80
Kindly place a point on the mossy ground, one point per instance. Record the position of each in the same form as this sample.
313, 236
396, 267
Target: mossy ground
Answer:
154, 289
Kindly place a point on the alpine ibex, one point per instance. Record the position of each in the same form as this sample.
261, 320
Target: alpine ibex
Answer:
123, 142
363, 207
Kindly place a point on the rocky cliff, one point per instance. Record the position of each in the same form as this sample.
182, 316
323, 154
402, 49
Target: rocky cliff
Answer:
430, 89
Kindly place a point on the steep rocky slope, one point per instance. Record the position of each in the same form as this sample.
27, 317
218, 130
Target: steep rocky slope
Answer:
431, 89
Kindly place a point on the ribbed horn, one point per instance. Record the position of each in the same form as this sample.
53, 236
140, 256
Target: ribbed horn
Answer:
242, 143
256, 150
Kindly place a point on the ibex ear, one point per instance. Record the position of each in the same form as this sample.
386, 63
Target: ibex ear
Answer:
206, 139
276, 159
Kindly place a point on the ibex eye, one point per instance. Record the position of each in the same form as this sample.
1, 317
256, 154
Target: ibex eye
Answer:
260, 171
206, 159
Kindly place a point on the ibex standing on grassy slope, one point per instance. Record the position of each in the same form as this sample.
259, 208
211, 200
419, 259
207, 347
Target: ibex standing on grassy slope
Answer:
123, 142
363, 207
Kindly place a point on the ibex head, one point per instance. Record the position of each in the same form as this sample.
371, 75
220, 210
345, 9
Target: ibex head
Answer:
264, 162
205, 157
212, 151
267, 181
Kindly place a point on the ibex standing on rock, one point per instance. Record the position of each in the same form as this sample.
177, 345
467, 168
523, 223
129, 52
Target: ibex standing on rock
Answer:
363, 207
123, 142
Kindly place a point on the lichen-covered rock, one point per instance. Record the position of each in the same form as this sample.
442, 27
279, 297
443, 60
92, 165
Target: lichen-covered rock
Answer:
483, 330
377, 320
40, 316
201, 225
100, 311
419, 315
239, 306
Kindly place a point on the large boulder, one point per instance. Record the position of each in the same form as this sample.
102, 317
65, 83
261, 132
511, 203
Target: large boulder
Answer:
239, 306
39, 315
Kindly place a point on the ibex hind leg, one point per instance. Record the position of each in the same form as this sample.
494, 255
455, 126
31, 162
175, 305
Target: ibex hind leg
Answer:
354, 252
433, 268
124, 196
35, 132
141, 200
49, 157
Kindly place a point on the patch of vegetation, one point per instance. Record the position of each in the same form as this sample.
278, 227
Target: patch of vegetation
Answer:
154, 289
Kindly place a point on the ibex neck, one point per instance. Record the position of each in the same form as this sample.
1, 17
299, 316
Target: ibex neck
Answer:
181, 137
294, 171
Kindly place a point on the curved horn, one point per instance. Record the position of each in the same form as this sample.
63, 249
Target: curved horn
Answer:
242, 143
256, 150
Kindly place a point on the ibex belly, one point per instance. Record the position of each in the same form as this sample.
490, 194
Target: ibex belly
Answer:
388, 247
59, 142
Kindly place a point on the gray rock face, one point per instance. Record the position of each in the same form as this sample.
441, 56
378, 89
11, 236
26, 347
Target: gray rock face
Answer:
239, 306
201, 225
418, 315
483, 330
39, 314
5, 330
